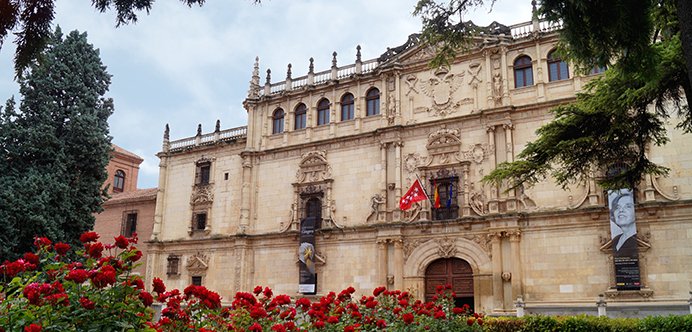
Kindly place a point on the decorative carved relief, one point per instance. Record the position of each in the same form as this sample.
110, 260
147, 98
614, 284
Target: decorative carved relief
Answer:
474, 71
440, 87
478, 200
197, 263
202, 194
482, 241
477, 153
413, 214
411, 81
391, 108
409, 246
446, 247
376, 202
443, 146
313, 167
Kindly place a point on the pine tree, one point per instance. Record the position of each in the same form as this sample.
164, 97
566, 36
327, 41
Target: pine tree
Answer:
54, 148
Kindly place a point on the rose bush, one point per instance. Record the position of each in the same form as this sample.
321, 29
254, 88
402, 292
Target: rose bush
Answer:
92, 289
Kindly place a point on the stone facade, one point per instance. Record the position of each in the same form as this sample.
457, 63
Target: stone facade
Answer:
447, 126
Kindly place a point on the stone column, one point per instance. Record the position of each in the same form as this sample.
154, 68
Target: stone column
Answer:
498, 296
160, 197
465, 207
382, 262
511, 193
383, 179
514, 241
493, 189
490, 103
399, 264
397, 179
503, 72
245, 192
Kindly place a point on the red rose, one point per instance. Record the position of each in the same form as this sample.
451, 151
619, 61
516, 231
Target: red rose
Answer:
440, 314
470, 321
86, 303
381, 323
137, 256
33, 328
378, 290
95, 250
407, 318
62, 248
159, 287
257, 290
41, 242
105, 276
146, 298
479, 321
268, 292
88, 237
278, 328
121, 242
255, 327
78, 276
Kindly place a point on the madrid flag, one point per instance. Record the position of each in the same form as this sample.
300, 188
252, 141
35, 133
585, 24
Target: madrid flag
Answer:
414, 194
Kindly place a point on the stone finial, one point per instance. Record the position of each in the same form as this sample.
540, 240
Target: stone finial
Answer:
358, 53
166, 133
334, 59
253, 92
534, 11
312, 66
269, 77
199, 129
218, 126
288, 72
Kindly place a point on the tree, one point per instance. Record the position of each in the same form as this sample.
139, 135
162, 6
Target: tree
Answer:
54, 148
646, 46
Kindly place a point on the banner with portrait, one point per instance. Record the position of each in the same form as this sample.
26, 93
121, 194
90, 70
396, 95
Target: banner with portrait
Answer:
623, 233
307, 277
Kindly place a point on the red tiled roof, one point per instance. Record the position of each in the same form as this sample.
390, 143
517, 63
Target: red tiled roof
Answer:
125, 152
133, 196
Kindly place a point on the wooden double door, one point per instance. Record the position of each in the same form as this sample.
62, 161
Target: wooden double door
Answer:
450, 271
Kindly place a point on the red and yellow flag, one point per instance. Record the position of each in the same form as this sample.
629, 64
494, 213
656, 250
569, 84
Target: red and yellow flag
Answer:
436, 197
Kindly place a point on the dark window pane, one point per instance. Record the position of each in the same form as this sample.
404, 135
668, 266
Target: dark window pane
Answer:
197, 280
119, 181
204, 174
372, 102
201, 221
278, 121
300, 116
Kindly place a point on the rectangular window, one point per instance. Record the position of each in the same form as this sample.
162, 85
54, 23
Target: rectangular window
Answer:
203, 174
197, 280
200, 222
129, 225
173, 264
445, 207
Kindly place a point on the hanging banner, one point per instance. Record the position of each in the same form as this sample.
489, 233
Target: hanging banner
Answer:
307, 278
623, 232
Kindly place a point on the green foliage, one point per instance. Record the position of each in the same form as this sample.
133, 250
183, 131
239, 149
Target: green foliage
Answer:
54, 148
669, 323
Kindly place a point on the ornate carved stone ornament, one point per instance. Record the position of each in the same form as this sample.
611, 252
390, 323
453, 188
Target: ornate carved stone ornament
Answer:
440, 87
197, 263
477, 153
391, 109
313, 167
446, 247
204, 159
411, 81
376, 202
474, 72
443, 146
409, 246
482, 240
412, 41
202, 194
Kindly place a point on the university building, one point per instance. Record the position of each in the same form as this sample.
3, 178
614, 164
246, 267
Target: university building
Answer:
305, 198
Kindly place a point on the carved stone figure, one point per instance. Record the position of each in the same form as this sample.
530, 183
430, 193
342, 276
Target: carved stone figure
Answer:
375, 202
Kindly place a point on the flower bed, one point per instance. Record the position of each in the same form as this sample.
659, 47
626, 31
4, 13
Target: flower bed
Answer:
92, 289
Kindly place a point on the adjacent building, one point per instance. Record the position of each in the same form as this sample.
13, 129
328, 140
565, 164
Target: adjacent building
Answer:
129, 210
305, 198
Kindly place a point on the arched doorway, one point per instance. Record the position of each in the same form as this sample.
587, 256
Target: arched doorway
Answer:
453, 271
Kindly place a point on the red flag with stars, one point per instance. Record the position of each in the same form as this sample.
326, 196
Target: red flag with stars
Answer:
414, 194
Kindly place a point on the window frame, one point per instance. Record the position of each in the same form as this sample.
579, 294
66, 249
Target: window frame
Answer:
300, 117
203, 173
278, 121
323, 112
555, 62
173, 265
347, 106
372, 102
196, 221
521, 69
444, 212
195, 278
129, 225
119, 181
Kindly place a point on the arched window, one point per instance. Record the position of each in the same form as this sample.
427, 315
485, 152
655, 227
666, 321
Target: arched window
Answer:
557, 69
323, 112
278, 121
119, 181
523, 72
301, 114
372, 102
347, 107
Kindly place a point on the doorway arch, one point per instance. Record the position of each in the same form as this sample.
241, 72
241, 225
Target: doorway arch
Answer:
451, 271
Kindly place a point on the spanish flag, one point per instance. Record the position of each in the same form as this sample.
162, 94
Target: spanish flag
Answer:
436, 197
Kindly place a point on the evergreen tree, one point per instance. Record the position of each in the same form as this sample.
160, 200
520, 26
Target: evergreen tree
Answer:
54, 148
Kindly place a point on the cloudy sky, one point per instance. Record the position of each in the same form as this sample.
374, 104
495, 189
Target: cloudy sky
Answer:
185, 66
